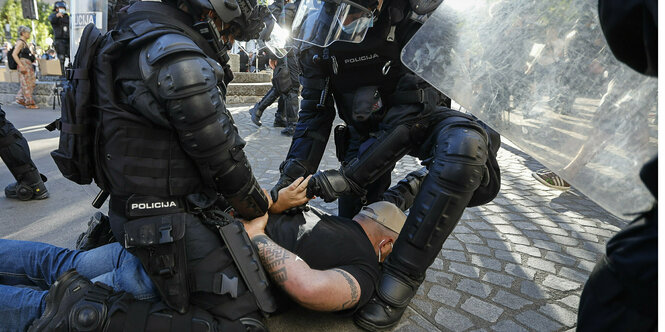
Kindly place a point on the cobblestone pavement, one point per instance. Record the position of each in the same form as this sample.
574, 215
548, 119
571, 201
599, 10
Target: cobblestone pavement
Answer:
516, 264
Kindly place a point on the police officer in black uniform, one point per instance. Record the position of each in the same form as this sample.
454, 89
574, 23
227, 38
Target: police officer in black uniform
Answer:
622, 291
171, 159
389, 112
15, 152
285, 78
60, 22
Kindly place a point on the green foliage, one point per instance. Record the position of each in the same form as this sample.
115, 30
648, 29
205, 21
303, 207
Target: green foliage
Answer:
13, 14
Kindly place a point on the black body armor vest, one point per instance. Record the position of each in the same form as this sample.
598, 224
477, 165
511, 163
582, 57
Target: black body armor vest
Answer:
376, 60
139, 155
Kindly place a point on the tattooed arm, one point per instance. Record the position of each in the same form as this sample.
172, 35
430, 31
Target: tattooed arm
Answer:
329, 290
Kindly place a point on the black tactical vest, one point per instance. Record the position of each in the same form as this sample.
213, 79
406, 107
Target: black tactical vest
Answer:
376, 60
137, 155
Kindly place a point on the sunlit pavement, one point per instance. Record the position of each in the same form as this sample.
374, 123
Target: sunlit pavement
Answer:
516, 264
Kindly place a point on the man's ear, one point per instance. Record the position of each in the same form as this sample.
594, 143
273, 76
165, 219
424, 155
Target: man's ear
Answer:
386, 246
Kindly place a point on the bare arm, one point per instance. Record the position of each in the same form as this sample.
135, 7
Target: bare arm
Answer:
15, 54
329, 290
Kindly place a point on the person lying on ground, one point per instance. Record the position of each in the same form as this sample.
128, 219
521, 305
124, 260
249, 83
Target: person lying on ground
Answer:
320, 261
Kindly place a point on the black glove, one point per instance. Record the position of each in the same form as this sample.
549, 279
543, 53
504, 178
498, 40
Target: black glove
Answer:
332, 184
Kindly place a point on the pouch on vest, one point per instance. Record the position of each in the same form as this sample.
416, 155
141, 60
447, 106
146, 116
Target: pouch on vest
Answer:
247, 266
342, 141
75, 156
159, 244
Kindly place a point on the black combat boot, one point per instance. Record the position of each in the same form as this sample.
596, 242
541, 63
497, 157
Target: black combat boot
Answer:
29, 186
257, 111
388, 304
256, 114
289, 130
280, 122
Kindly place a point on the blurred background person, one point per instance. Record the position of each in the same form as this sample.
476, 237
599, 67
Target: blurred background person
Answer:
49, 55
24, 59
60, 22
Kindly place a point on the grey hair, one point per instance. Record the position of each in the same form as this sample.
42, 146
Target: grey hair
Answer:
23, 29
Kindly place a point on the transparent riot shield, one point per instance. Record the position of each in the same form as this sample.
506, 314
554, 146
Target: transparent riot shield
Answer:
541, 73
84, 12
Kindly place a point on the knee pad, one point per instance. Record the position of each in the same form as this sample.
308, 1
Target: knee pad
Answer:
460, 155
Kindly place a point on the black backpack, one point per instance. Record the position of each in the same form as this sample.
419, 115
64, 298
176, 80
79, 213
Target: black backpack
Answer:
78, 122
11, 63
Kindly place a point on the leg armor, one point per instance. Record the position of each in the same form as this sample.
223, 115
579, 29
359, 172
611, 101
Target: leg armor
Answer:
291, 107
15, 152
76, 304
257, 111
377, 161
457, 170
291, 100
290, 112
280, 119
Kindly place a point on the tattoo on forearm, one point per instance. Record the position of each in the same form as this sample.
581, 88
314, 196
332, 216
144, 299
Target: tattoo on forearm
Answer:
273, 258
279, 276
354, 290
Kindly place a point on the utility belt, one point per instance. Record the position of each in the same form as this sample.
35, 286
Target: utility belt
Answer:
156, 235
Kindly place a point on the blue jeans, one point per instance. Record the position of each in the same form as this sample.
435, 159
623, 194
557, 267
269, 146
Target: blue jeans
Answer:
38, 265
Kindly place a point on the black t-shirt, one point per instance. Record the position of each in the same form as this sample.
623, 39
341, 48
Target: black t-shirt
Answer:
326, 242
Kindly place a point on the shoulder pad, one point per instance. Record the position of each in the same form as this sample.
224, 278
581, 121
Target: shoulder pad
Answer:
168, 44
185, 76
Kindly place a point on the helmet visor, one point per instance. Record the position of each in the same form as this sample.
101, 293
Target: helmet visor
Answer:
321, 23
277, 42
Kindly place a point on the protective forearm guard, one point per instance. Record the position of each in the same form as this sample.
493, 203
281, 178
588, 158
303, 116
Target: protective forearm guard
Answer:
195, 108
331, 184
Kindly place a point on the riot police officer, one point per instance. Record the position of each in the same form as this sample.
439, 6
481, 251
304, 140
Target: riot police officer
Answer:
351, 50
171, 156
15, 152
60, 22
285, 85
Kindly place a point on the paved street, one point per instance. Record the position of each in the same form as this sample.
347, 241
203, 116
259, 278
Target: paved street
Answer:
516, 264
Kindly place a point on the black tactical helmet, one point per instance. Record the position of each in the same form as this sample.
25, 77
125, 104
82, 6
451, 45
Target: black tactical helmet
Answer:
59, 4
244, 16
